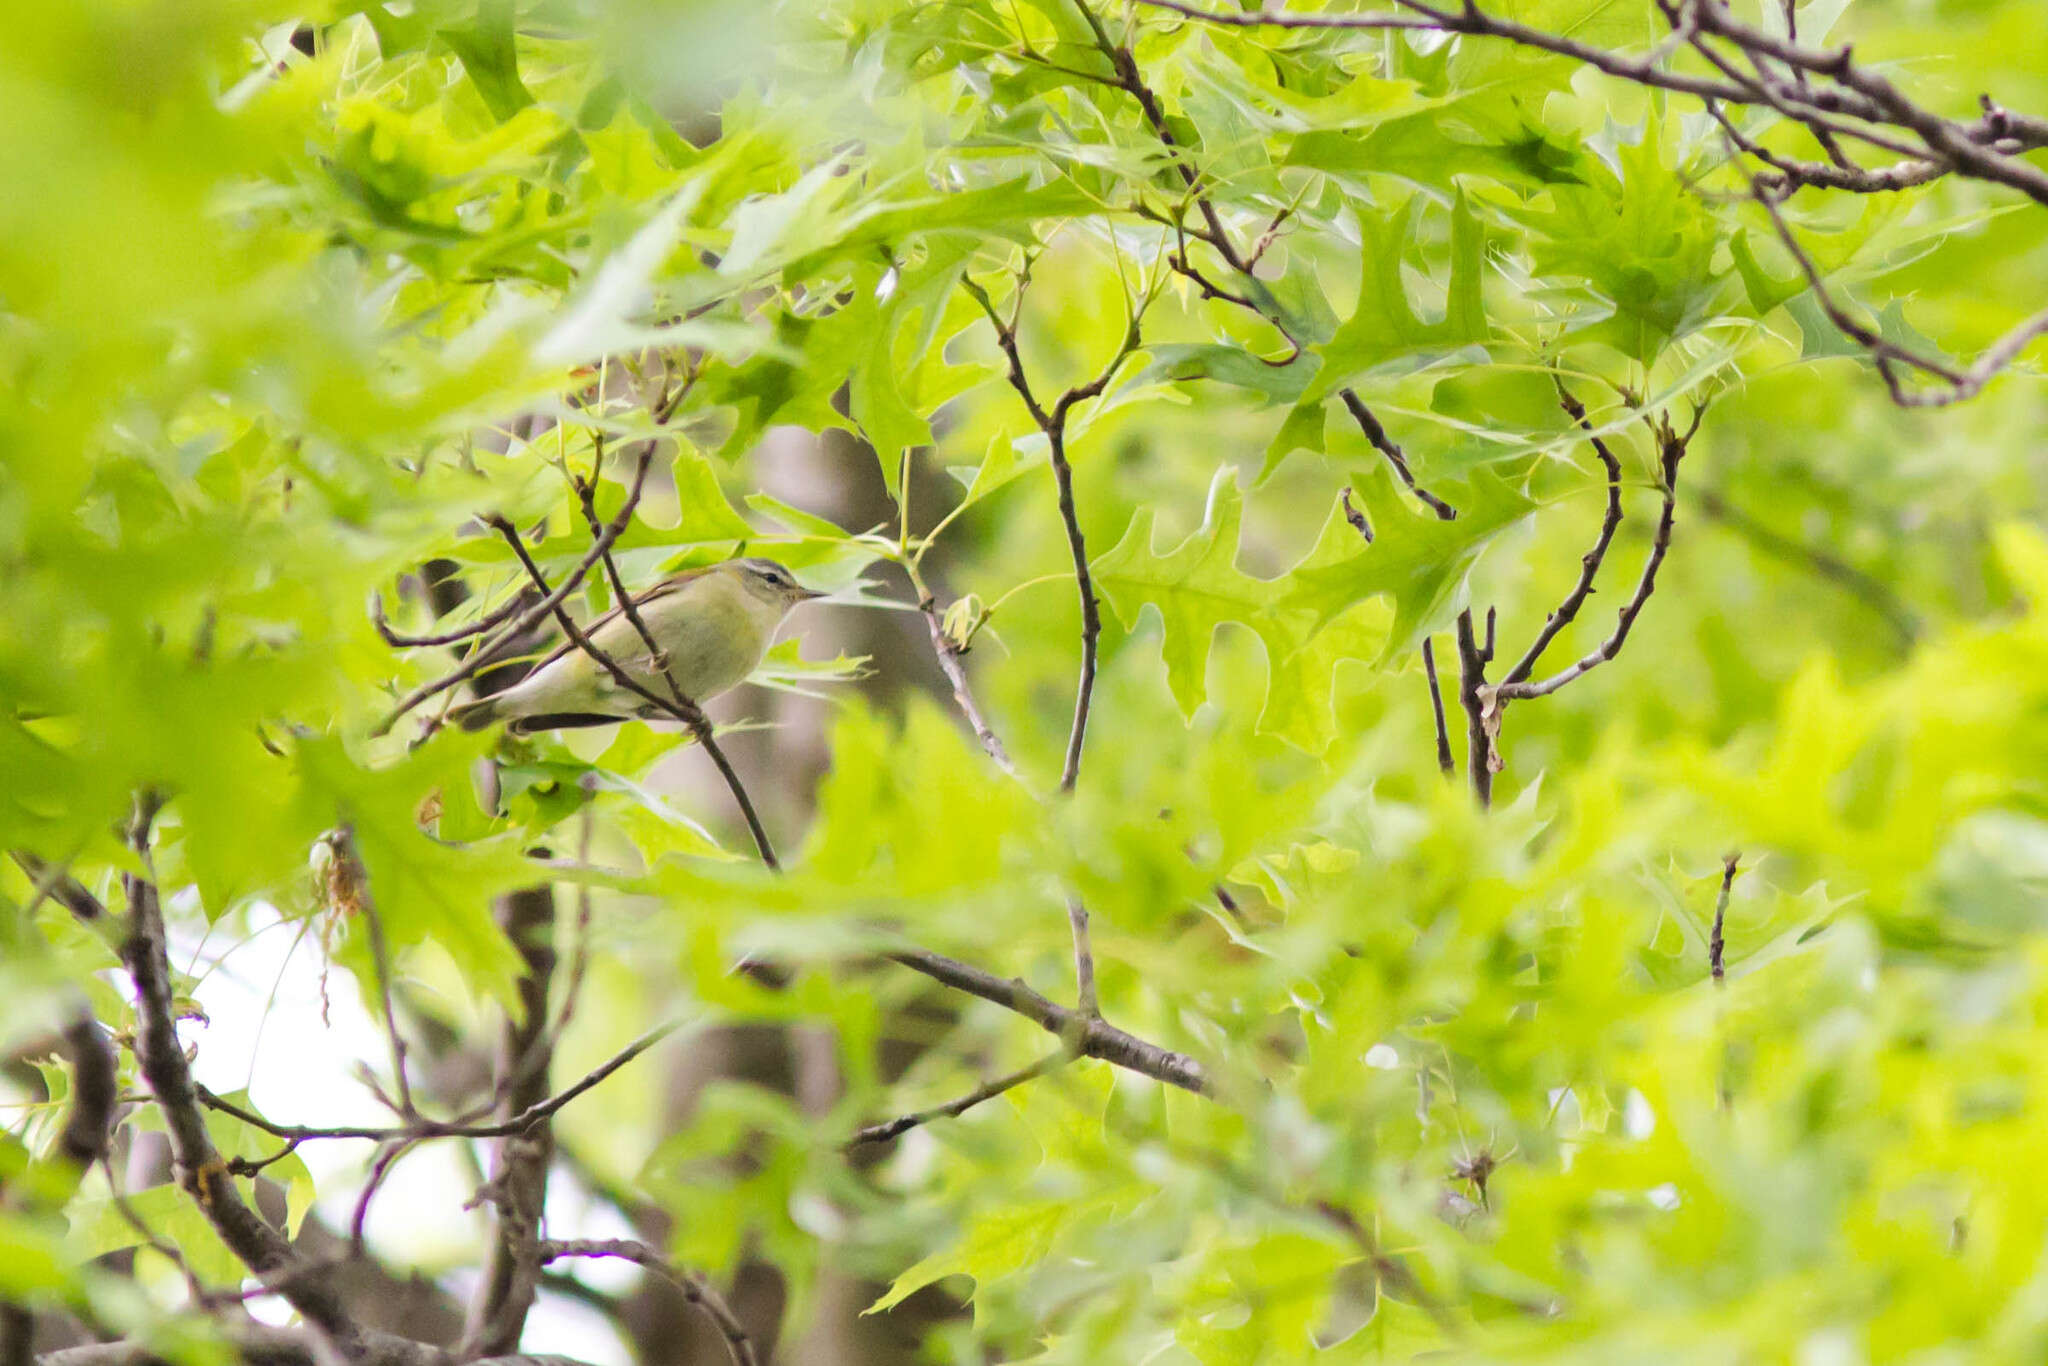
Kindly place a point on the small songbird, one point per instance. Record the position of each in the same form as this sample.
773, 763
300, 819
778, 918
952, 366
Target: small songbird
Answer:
714, 624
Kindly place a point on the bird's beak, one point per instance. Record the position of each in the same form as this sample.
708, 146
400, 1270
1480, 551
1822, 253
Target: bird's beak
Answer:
809, 594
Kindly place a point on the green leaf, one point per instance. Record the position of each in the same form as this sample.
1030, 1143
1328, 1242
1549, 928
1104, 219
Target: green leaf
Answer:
1305, 617
1385, 325
1174, 362
99, 1226
490, 57
1416, 559
1003, 1241
1431, 150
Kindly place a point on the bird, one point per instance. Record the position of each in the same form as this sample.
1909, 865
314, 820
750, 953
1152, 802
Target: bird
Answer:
714, 625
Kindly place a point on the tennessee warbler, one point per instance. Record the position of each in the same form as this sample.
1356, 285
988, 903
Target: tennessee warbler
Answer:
714, 625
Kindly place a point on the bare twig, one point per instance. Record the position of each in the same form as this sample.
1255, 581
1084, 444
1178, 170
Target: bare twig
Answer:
1729, 864
1865, 101
1589, 564
1084, 958
694, 1287
54, 880
1131, 80
1888, 356
1395, 456
1673, 444
519, 1172
903, 1124
1053, 423
349, 883
1482, 712
1436, 706
956, 674
455, 636
1088, 1035
426, 1127
1354, 516
261, 1345
382, 1164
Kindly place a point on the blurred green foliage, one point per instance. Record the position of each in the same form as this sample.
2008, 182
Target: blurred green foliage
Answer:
288, 299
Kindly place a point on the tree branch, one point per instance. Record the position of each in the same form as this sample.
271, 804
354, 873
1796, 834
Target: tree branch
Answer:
519, 1172
1436, 706
200, 1169
1087, 1035
694, 1287
1375, 433
1053, 423
54, 881
94, 1091
431, 1128
903, 1124
1589, 564
1673, 444
1715, 943
955, 670
1482, 713
261, 1345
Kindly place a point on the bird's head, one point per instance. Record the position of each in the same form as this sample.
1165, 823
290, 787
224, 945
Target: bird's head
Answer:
768, 582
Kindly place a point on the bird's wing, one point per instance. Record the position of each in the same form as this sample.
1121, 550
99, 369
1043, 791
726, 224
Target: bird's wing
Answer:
640, 599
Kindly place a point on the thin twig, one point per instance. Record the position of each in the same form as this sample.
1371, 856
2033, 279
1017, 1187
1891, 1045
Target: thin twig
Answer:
1353, 515
1053, 423
1084, 958
1729, 863
956, 674
1674, 447
903, 1124
1589, 564
349, 865
694, 1287
485, 654
1888, 356
1376, 433
1436, 705
1089, 1035
54, 880
427, 1127
162, 1247
381, 1165
1132, 81
497, 616
1854, 91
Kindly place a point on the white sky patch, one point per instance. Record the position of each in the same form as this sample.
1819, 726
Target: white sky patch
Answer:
1638, 1120
265, 1031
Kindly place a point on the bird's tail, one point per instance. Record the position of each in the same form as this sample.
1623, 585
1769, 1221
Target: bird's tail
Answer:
475, 715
